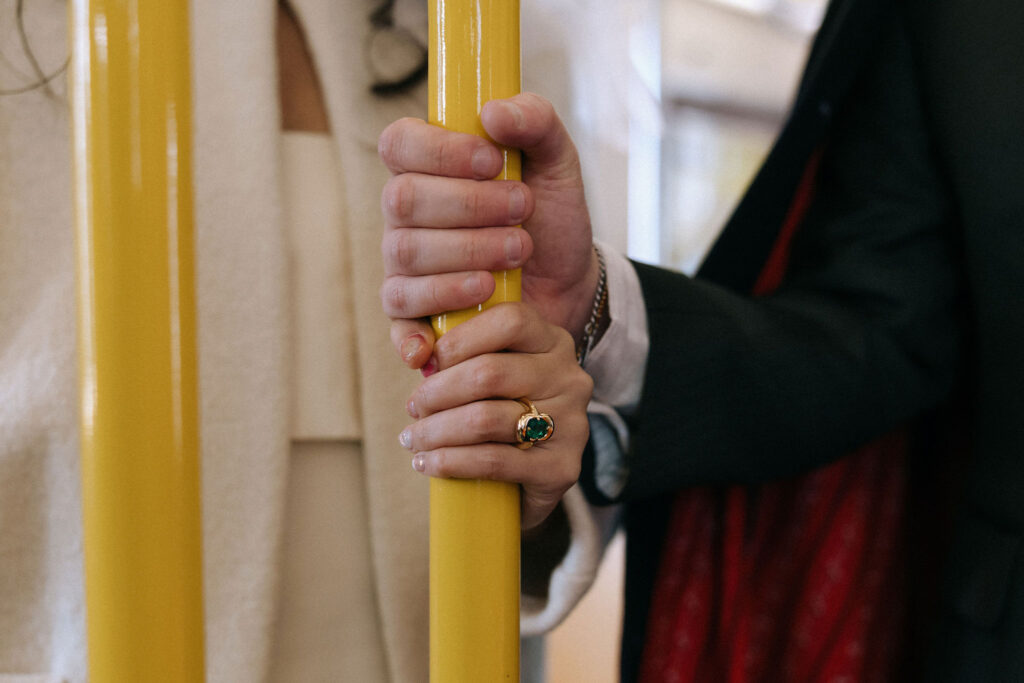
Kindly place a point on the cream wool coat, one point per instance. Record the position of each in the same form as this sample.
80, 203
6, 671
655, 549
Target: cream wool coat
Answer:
243, 340
243, 344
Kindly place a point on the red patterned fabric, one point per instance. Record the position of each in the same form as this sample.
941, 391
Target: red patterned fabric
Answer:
794, 581
791, 582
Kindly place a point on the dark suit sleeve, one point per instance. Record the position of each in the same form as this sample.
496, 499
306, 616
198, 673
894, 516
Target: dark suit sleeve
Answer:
862, 334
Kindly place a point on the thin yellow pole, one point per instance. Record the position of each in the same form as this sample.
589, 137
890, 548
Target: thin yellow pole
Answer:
474, 525
133, 199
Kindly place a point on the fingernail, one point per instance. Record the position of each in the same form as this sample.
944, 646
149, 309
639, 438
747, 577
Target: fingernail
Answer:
418, 463
516, 203
405, 438
514, 249
472, 286
430, 368
410, 408
484, 162
412, 346
515, 112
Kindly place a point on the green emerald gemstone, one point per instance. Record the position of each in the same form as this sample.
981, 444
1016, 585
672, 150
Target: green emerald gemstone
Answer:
536, 429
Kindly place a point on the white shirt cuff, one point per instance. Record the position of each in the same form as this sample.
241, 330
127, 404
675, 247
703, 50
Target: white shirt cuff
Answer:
618, 361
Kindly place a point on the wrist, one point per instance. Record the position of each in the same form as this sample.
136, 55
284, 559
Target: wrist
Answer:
565, 299
582, 300
599, 317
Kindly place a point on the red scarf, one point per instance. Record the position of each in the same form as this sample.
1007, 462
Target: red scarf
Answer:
794, 581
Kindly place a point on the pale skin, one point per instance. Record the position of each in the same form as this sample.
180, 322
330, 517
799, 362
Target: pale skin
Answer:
442, 180
465, 425
447, 225
302, 104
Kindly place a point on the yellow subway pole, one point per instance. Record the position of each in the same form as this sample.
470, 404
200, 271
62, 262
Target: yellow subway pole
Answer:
474, 525
133, 200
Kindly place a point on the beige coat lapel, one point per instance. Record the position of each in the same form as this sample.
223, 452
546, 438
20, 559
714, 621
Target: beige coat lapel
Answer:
397, 495
243, 328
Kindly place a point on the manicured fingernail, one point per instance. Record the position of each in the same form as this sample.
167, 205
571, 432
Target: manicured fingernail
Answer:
405, 438
516, 203
410, 408
418, 463
484, 162
430, 368
412, 346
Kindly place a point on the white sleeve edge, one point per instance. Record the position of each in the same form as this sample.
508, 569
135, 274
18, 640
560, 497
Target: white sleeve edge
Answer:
590, 531
618, 361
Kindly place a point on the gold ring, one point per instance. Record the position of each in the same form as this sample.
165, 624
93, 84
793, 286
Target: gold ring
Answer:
533, 426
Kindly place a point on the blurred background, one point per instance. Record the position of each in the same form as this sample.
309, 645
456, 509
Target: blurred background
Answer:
673, 105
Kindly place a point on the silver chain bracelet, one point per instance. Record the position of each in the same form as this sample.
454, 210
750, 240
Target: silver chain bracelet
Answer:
600, 301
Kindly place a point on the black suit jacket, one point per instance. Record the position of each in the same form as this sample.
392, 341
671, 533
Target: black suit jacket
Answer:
918, 109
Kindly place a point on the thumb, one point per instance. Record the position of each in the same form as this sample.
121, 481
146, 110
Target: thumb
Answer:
529, 122
562, 272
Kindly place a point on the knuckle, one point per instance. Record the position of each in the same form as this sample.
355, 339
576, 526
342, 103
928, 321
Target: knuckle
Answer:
567, 472
564, 343
545, 111
398, 199
386, 142
403, 250
499, 427
481, 420
486, 378
392, 140
425, 399
563, 338
445, 349
470, 252
393, 298
584, 429
436, 293
446, 154
517, 320
492, 465
570, 473
471, 204
584, 383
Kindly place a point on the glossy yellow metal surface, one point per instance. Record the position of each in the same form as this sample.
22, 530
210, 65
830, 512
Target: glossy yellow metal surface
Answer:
474, 525
140, 475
